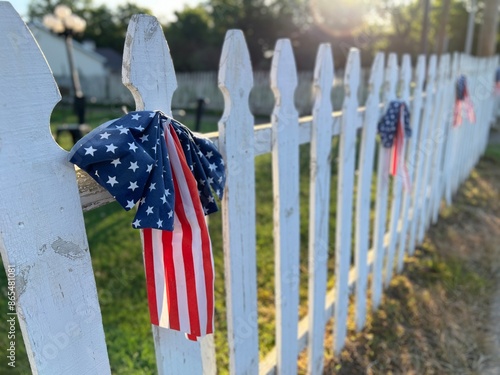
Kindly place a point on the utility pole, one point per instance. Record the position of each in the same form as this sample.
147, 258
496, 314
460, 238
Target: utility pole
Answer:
488, 32
470, 26
425, 27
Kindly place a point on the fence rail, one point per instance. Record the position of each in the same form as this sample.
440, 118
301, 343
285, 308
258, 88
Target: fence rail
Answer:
42, 234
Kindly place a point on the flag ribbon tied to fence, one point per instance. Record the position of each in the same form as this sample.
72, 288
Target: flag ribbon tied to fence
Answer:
150, 161
497, 81
393, 128
463, 102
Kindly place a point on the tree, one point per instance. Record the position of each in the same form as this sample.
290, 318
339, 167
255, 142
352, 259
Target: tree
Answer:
489, 29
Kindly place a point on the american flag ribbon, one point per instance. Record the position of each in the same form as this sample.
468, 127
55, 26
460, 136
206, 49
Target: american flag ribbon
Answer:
463, 102
393, 128
150, 161
497, 81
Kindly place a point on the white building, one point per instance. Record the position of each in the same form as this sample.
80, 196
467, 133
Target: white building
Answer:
98, 82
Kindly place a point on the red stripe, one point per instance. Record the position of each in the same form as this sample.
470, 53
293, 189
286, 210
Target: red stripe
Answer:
205, 240
150, 275
187, 246
168, 262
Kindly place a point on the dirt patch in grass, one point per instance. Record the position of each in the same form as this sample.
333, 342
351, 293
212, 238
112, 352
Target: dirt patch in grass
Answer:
442, 315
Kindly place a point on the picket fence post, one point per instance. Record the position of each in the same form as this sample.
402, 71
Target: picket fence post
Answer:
285, 153
365, 173
411, 160
347, 160
42, 234
319, 207
236, 143
423, 152
148, 72
391, 79
397, 186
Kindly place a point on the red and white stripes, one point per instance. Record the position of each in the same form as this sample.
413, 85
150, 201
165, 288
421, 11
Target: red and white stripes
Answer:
179, 265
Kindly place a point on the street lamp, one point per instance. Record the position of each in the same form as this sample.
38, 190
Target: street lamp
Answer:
64, 22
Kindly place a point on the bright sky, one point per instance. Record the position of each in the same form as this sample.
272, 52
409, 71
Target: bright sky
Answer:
163, 9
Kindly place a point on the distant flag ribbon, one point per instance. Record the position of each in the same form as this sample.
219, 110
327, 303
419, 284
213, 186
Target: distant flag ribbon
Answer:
393, 128
463, 102
150, 161
497, 81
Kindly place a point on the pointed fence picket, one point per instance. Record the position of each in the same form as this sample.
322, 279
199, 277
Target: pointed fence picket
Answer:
319, 209
347, 159
238, 205
365, 173
391, 80
411, 159
397, 186
42, 234
424, 147
285, 152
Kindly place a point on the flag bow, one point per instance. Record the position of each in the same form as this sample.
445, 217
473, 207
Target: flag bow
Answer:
151, 161
393, 128
463, 101
497, 81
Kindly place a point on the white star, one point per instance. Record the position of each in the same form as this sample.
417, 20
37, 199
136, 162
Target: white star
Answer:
149, 210
123, 130
154, 148
133, 185
212, 166
164, 199
152, 186
90, 151
111, 148
202, 182
167, 192
152, 114
142, 200
217, 192
97, 173
221, 161
209, 154
115, 162
136, 117
105, 135
200, 154
170, 214
210, 180
205, 210
132, 146
112, 181
159, 223
150, 168
140, 128
220, 180
211, 199
133, 166
144, 138
136, 223
130, 204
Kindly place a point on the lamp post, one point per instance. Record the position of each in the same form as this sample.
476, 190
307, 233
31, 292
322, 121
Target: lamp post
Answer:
64, 22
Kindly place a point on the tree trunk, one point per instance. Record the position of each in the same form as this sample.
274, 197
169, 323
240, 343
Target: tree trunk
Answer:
488, 32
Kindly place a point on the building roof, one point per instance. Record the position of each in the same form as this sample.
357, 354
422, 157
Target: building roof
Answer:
113, 59
37, 27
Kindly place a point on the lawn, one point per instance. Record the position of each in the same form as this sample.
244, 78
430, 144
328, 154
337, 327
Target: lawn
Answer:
117, 263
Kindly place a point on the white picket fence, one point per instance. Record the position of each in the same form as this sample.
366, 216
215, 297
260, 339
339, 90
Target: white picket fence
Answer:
42, 232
